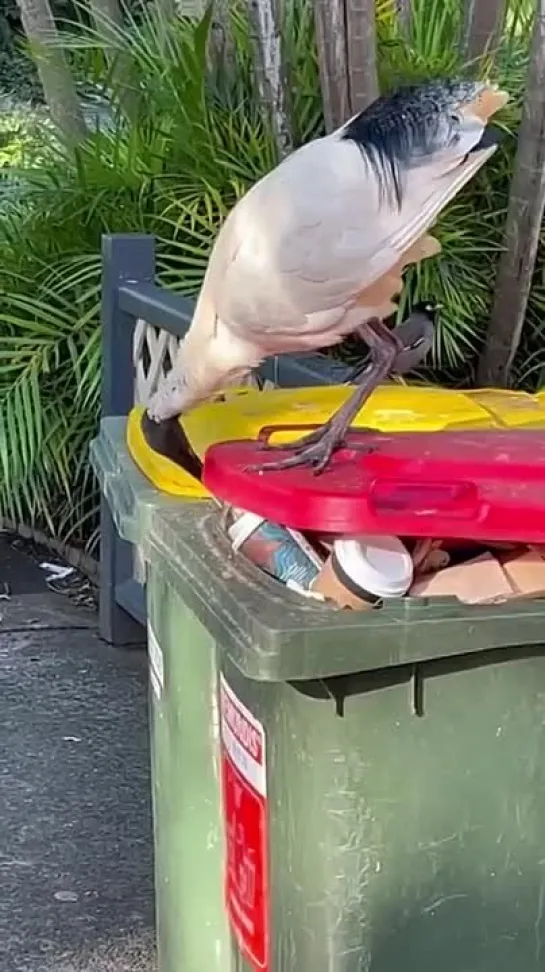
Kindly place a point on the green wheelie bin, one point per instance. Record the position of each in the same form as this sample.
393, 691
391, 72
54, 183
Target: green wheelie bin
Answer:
193, 928
130, 496
338, 791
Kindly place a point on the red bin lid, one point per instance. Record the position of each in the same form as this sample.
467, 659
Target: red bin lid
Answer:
475, 484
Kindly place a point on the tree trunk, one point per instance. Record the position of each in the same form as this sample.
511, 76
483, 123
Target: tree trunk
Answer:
57, 82
107, 12
346, 40
524, 224
167, 7
108, 21
362, 53
266, 37
483, 21
109, 24
330, 24
404, 11
221, 43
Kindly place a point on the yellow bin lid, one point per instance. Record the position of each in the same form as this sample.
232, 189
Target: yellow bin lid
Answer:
240, 413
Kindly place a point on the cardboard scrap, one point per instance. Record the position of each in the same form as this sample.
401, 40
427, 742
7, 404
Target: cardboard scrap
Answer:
486, 580
526, 574
478, 581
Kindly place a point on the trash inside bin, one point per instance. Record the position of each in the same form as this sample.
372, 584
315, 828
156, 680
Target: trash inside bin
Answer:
370, 787
481, 489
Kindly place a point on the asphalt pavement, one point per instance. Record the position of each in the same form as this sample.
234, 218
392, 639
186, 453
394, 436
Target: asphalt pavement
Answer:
76, 871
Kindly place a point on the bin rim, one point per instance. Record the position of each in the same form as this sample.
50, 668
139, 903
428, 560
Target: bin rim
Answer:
274, 634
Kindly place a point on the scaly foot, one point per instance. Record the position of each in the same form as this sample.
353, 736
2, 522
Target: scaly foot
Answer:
314, 450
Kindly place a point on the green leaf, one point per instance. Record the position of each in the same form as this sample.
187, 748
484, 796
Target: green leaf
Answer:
174, 166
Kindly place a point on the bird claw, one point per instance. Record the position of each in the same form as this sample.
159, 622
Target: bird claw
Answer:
298, 445
313, 438
314, 450
316, 456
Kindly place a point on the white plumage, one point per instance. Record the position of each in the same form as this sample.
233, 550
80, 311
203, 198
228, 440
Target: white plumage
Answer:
299, 262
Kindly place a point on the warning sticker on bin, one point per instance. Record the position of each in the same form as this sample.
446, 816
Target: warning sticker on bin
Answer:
244, 778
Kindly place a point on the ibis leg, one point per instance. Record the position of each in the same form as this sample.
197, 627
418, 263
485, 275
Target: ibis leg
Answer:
317, 448
416, 338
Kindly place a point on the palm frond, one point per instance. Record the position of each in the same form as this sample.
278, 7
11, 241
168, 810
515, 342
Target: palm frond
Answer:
172, 160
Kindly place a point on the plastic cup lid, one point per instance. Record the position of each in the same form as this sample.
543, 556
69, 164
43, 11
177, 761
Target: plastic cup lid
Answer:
379, 565
243, 527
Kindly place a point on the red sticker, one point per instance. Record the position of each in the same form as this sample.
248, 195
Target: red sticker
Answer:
244, 774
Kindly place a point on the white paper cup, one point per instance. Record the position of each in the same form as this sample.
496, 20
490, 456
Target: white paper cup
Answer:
363, 571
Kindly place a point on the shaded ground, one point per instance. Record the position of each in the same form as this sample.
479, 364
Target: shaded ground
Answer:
75, 838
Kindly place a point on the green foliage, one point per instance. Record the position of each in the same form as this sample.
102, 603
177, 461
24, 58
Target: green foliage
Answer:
176, 156
25, 138
18, 76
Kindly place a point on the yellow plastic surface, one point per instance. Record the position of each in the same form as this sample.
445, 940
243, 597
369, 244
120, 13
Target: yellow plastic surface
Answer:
166, 475
242, 412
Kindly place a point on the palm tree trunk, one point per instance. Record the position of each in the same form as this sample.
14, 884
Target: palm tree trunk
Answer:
221, 44
330, 24
524, 224
109, 24
107, 18
107, 11
404, 12
362, 53
483, 21
168, 8
346, 40
57, 82
266, 36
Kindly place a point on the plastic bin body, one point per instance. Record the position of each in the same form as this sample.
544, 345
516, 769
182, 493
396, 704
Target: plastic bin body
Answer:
192, 928
132, 499
404, 818
400, 842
